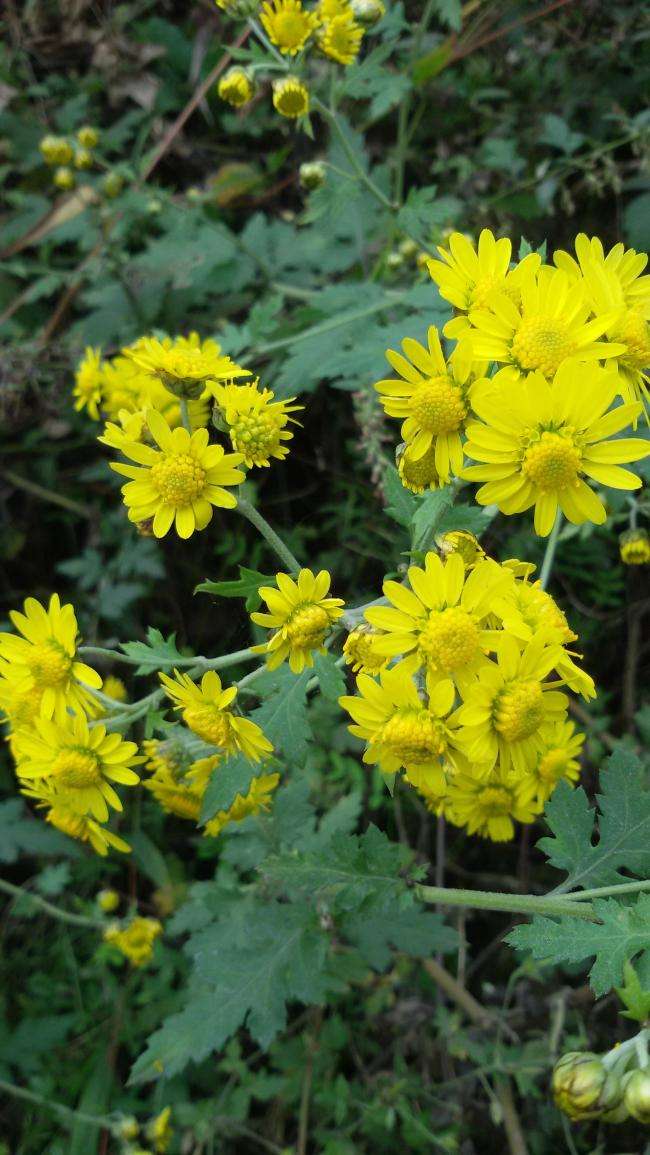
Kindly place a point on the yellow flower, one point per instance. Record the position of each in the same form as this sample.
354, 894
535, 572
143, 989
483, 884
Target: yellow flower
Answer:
88, 136
288, 25
62, 815
258, 798
420, 473
549, 326
506, 710
629, 327
435, 795
43, 661
401, 730
540, 440
433, 396
78, 762
329, 9
360, 653
177, 783
56, 150
236, 87
83, 158
487, 807
634, 547
340, 38
441, 619
88, 383
205, 711
300, 615
185, 365
136, 940
290, 97
467, 275
64, 178
114, 688
558, 758
108, 900
179, 481
256, 422
159, 1130
462, 542
626, 264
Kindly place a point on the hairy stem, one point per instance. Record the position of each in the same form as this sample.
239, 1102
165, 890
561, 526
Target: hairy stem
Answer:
18, 892
268, 533
58, 1108
549, 556
495, 900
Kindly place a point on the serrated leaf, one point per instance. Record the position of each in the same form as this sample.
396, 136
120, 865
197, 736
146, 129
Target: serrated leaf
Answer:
246, 586
635, 997
470, 518
424, 210
415, 932
283, 713
330, 677
228, 779
157, 653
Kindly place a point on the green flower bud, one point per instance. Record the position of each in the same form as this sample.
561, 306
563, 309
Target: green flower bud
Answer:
127, 1127
108, 900
394, 260
634, 547
112, 184
368, 12
64, 178
88, 136
83, 158
312, 175
56, 150
582, 1087
636, 1094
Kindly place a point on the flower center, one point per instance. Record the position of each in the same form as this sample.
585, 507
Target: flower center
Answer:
178, 478
552, 463
49, 664
360, 651
209, 723
421, 472
552, 765
542, 343
414, 736
450, 640
76, 768
307, 627
635, 333
495, 801
438, 406
519, 711
254, 434
289, 29
538, 609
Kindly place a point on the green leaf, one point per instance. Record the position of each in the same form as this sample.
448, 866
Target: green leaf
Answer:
330, 677
634, 996
471, 518
283, 714
20, 834
450, 12
149, 859
246, 586
402, 504
430, 512
157, 653
416, 932
425, 210
228, 779
557, 133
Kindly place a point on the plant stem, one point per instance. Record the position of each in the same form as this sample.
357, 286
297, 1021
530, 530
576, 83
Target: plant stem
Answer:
185, 415
495, 900
360, 172
18, 892
197, 660
549, 556
609, 891
57, 1108
268, 533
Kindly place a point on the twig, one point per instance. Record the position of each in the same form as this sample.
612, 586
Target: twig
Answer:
512, 1126
47, 494
452, 988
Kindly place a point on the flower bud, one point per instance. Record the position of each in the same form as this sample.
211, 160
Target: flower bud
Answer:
463, 542
64, 178
55, 150
582, 1087
108, 901
88, 136
236, 87
83, 158
112, 184
636, 1094
240, 8
394, 260
634, 547
290, 97
368, 12
408, 248
127, 1127
312, 174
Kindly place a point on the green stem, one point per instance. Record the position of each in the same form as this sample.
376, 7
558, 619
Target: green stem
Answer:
185, 414
549, 556
57, 1108
360, 172
336, 322
609, 891
47, 494
18, 892
495, 900
268, 533
198, 660
263, 39
613, 1057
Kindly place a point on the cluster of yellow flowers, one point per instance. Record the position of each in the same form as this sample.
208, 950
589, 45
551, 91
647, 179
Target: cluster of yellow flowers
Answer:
135, 940
65, 155
335, 28
157, 1132
569, 340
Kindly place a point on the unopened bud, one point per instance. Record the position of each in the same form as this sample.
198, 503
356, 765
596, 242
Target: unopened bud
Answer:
88, 136
634, 547
394, 260
127, 1127
636, 1094
108, 901
463, 542
582, 1086
64, 178
83, 158
112, 184
56, 150
368, 12
312, 175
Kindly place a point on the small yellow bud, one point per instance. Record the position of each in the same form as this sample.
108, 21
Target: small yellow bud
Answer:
236, 87
87, 136
112, 184
290, 97
462, 542
83, 158
582, 1087
312, 175
636, 1095
634, 547
108, 901
127, 1127
368, 12
114, 687
56, 150
64, 178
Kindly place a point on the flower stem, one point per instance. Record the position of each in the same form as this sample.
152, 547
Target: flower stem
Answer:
549, 556
360, 172
18, 892
185, 415
57, 1108
268, 533
495, 900
609, 891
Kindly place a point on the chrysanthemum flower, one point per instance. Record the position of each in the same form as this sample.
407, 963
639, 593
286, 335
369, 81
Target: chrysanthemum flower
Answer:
541, 440
236, 87
288, 25
177, 782
300, 616
56, 150
558, 758
205, 711
88, 385
62, 815
328, 9
290, 97
256, 422
403, 732
136, 940
626, 264
467, 274
114, 688
159, 1131
549, 326
420, 473
490, 807
340, 38
634, 547
179, 481
258, 798
441, 619
360, 653
184, 366
434, 795
43, 661
433, 396
79, 762
628, 327
462, 542
506, 708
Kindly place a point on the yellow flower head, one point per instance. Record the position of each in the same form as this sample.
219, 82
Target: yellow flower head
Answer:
433, 793
185, 365
256, 422
467, 275
64, 178
490, 807
441, 619
340, 38
557, 759
236, 87
179, 480
419, 473
89, 383
56, 150
88, 136
300, 616
360, 653
634, 547
368, 12
462, 542
329, 9
43, 660
114, 688
62, 815
287, 25
626, 265
506, 709
108, 901
290, 97
78, 763
434, 397
629, 326
205, 711
159, 1131
136, 940
83, 158
549, 326
177, 783
258, 798
540, 440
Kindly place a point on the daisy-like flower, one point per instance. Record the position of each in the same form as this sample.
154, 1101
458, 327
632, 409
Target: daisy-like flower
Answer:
258, 798
403, 732
300, 616
136, 940
256, 423
490, 807
634, 546
506, 709
78, 762
43, 660
433, 396
88, 384
467, 275
288, 25
179, 481
626, 264
360, 653
434, 794
236, 87
205, 710
558, 758
540, 441
629, 327
62, 815
441, 619
549, 326
177, 783
419, 474
340, 38
185, 365
114, 688
290, 97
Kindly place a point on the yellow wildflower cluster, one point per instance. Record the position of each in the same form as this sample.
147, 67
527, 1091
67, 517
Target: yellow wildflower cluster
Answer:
136, 939
65, 154
300, 616
609, 1087
461, 689
65, 761
567, 342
